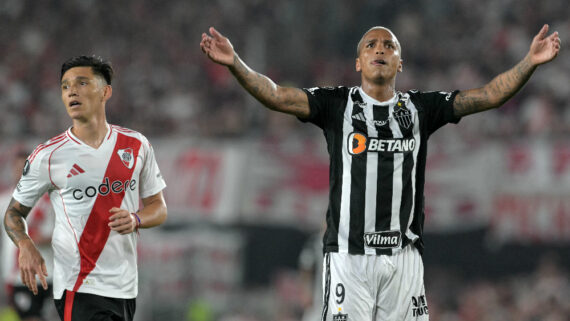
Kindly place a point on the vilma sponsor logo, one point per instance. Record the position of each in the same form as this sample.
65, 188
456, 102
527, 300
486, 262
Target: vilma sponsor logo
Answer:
383, 240
419, 307
105, 188
358, 143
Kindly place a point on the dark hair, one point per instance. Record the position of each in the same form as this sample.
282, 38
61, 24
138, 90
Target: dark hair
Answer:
99, 66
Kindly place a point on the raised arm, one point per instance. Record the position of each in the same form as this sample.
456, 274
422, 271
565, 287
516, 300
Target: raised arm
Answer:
542, 50
29, 259
284, 99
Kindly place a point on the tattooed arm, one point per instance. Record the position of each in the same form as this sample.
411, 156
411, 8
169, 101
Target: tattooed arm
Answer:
30, 260
284, 99
542, 50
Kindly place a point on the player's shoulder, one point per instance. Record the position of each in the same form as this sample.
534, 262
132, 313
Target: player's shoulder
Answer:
417, 93
46, 148
338, 91
131, 133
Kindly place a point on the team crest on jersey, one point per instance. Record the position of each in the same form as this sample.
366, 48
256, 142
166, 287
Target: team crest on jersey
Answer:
402, 114
127, 157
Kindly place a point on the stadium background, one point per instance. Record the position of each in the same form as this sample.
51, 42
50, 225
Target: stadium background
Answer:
246, 187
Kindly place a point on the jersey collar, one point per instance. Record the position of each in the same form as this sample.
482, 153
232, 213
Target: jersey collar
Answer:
373, 101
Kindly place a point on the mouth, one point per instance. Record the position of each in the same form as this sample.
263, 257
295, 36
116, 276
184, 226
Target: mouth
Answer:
379, 62
74, 103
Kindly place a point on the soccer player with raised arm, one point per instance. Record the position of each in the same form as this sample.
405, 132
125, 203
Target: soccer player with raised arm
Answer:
95, 174
377, 141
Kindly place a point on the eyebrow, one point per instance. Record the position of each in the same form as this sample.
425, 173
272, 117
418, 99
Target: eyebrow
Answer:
77, 78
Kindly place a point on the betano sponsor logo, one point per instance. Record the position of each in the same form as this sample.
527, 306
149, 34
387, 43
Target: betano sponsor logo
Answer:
105, 188
358, 143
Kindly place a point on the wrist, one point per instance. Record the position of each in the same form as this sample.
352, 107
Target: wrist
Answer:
138, 223
25, 242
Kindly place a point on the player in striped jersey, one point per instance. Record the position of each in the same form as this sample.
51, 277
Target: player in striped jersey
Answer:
95, 175
377, 141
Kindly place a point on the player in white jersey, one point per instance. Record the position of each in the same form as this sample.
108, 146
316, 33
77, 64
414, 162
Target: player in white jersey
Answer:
28, 306
376, 138
96, 174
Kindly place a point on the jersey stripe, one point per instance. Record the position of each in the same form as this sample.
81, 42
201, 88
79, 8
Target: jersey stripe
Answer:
370, 205
357, 187
96, 231
416, 133
344, 219
397, 175
385, 177
41, 147
49, 162
68, 309
326, 286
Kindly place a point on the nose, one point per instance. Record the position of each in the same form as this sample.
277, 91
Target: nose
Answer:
72, 91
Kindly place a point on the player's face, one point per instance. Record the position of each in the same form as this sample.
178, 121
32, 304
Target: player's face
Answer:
83, 93
379, 57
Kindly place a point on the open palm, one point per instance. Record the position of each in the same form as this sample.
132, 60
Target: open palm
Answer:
543, 49
217, 47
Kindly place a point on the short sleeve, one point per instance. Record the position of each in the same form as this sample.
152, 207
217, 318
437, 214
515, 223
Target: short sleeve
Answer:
438, 108
152, 181
34, 181
322, 100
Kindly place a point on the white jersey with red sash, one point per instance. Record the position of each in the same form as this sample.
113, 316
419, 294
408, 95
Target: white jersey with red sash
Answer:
84, 183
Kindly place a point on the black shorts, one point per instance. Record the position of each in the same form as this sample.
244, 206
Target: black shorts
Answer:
90, 307
26, 304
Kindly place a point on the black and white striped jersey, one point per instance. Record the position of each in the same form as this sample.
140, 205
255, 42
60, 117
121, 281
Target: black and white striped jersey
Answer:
377, 165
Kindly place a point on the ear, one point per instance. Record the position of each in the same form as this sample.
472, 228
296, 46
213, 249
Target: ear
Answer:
401, 65
358, 67
107, 92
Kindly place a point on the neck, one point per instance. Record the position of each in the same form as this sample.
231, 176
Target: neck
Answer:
90, 133
380, 90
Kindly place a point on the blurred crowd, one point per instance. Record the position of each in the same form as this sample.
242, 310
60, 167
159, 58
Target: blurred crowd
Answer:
165, 86
539, 295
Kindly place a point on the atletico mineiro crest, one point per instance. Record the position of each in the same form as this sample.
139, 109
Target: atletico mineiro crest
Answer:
126, 156
402, 115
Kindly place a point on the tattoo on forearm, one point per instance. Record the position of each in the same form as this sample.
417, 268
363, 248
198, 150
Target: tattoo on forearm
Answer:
256, 84
14, 221
495, 93
266, 91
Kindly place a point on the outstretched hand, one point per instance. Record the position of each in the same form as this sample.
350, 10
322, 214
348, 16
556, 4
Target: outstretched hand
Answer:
217, 47
544, 49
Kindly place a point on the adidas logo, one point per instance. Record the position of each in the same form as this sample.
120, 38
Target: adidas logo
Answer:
359, 116
75, 170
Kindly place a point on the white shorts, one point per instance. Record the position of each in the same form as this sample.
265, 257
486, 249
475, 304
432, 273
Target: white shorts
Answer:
374, 287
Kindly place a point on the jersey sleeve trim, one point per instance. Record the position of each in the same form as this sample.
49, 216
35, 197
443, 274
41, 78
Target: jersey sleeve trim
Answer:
49, 163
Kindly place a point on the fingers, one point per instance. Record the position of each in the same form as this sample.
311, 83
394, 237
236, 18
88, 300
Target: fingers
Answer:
215, 33
542, 33
122, 221
43, 275
28, 277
